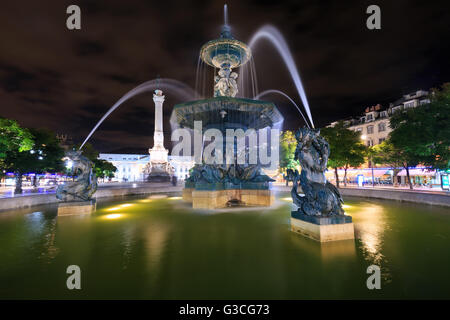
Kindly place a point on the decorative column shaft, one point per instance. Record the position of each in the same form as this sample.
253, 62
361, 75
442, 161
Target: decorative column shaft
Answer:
158, 135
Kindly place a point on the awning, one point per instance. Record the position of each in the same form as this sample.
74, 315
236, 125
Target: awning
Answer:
418, 172
353, 173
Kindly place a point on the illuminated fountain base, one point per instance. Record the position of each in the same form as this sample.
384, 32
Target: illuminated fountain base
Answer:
215, 199
323, 229
76, 207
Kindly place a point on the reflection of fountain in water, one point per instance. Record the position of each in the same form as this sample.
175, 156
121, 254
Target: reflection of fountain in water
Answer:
276, 38
286, 96
180, 89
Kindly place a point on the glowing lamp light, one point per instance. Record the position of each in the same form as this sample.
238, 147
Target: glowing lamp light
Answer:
69, 164
287, 199
363, 137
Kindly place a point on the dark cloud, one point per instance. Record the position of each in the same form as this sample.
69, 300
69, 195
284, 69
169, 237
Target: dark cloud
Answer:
66, 80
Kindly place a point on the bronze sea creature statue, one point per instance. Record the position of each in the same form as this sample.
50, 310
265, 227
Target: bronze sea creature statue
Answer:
320, 198
85, 182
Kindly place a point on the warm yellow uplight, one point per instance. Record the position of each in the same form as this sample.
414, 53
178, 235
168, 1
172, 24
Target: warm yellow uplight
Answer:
113, 209
126, 205
363, 137
286, 199
113, 216
175, 198
346, 206
145, 200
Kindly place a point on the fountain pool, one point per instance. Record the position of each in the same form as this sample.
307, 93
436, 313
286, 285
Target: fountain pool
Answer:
159, 248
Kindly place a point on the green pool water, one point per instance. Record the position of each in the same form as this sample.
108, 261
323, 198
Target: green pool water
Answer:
161, 249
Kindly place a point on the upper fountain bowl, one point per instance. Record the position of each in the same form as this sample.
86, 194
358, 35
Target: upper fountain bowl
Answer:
225, 51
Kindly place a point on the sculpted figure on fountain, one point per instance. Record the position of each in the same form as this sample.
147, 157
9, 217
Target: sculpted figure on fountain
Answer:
321, 197
225, 83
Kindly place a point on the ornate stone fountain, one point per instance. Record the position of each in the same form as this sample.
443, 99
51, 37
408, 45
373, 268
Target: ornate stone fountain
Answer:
213, 186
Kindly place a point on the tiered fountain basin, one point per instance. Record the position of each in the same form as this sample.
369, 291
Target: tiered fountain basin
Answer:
219, 186
240, 113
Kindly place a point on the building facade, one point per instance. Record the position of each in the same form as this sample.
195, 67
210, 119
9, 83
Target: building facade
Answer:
374, 128
131, 167
373, 124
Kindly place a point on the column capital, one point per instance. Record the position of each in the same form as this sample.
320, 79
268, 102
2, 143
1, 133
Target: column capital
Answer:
158, 96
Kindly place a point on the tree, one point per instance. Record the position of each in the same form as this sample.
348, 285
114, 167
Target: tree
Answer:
386, 154
14, 138
413, 138
346, 149
288, 143
435, 128
45, 156
422, 134
104, 169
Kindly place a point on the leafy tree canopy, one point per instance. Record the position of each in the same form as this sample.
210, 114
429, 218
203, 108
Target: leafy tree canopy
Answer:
346, 148
13, 137
422, 134
288, 143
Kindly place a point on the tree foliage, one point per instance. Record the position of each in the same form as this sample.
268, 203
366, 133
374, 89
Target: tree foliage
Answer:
288, 143
104, 169
44, 156
13, 138
346, 148
422, 134
386, 154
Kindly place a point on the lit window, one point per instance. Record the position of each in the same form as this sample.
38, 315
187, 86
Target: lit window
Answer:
409, 104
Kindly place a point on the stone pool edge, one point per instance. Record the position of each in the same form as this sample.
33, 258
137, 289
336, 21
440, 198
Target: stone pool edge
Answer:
398, 195
49, 198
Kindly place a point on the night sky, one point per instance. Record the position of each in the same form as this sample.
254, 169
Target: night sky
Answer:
66, 80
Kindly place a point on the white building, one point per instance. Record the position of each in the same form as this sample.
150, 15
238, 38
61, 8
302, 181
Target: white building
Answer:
130, 167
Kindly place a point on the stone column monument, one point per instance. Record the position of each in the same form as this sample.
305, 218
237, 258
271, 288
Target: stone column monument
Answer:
158, 169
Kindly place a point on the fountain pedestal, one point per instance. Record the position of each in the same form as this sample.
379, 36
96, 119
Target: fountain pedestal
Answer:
216, 199
76, 207
323, 229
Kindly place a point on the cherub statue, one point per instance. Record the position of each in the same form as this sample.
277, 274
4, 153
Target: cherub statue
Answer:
225, 83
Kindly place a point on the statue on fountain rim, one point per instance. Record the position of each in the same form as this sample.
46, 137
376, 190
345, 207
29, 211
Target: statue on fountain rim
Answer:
321, 198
